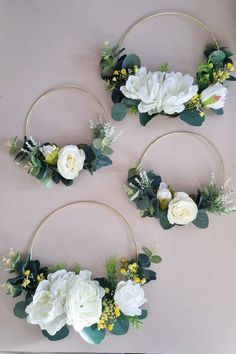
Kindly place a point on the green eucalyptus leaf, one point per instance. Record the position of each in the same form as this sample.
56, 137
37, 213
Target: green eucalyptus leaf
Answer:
143, 260
219, 111
92, 335
130, 103
19, 309
61, 334
97, 143
118, 111
121, 325
35, 171
192, 118
144, 118
143, 203
165, 224
155, 259
143, 314
217, 56
147, 251
47, 182
231, 78
107, 150
116, 95
130, 61
202, 220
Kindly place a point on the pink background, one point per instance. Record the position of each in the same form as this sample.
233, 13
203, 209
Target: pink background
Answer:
43, 44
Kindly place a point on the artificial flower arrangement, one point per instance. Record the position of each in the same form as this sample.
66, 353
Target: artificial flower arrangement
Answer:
137, 90
154, 198
56, 298
52, 164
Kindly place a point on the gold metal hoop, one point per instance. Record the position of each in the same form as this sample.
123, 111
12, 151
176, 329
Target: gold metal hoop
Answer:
202, 138
48, 217
60, 88
167, 13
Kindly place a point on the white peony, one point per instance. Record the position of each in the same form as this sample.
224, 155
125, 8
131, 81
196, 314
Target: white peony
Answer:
129, 297
84, 301
47, 308
182, 209
214, 96
163, 192
159, 91
70, 161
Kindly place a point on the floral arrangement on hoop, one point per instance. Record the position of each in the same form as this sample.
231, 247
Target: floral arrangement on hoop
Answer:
52, 164
154, 198
56, 298
137, 90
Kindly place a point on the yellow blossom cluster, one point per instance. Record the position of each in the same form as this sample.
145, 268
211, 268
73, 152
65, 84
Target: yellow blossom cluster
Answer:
123, 73
29, 276
109, 313
130, 271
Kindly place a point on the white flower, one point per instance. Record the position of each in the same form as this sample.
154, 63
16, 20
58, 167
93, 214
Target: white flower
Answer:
70, 161
129, 297
214, 96
182, 209
163, 192
159, 91
47, 149
47, 308
84, 301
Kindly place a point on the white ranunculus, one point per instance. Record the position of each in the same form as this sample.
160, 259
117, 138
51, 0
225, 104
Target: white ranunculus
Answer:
214, 96
159, 91
163, 192
47, 308
182, 209
129, 297
84, 301
70, 161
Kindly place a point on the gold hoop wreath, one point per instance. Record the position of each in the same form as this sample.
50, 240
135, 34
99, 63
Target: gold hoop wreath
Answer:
56, 298
154, 198
52, 164
139, 91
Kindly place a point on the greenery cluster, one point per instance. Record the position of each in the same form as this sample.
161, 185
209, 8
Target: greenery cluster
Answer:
28, 153
116, 67
29, 275
142, 188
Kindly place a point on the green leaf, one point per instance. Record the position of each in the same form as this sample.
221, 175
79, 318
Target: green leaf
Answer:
97, 143
62, 333
147, 251
48, 182
111, 269
143, 203
67, 182
19, 309
56, 177
121, 325
165, 224
118, 111
130, 103
103, 161
92, 335
130, 61
149, 274
143, 314
219, 111
116, 95
231, 78
132, 172
192, 118
107, 150
217, 56
201, 220
143, 260
14, 290
144, 118
155, 259
35, 171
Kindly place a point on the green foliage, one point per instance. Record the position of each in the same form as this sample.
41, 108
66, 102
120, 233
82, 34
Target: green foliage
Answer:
19, 309
56, 267
219, 111
192, 117
165, 224
216, 57
201, 220
164, 68
145, 118
111, 270
130, 61
121, 325
92, 335
119, 111
15, 146
76, 268
61, 334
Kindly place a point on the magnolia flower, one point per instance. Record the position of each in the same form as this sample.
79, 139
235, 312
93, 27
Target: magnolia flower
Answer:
70, 161
129, 297
182, 209
48, 306
159, 91
163, 192
84, 301
50, 153
214, 96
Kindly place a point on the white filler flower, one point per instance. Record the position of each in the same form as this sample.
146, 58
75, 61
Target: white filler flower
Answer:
70, 161
214, 96
84, 301
159, 91
182, 209
47, 308
129, 297
163, 192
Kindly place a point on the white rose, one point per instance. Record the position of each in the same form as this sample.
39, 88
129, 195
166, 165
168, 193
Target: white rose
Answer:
47, 149
159, 91
163, 192
84, 301
129, 297
47, 308
70, 161
182, 209
214, 96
